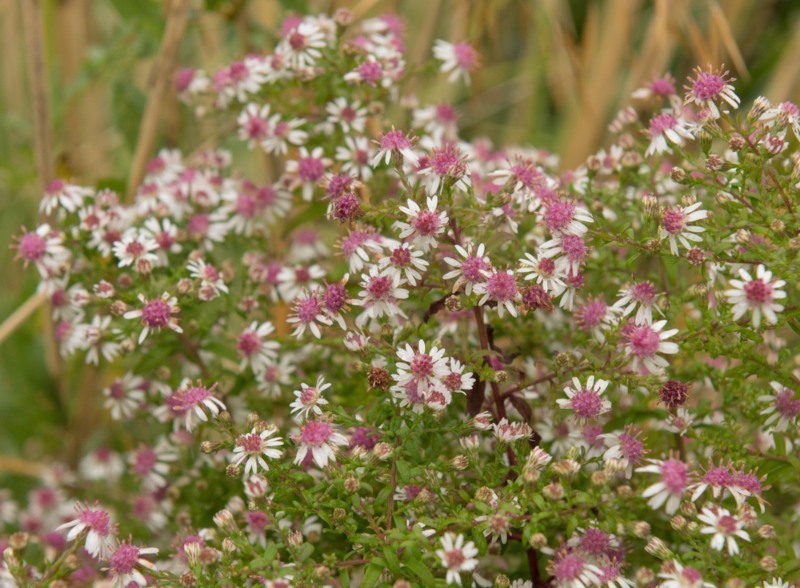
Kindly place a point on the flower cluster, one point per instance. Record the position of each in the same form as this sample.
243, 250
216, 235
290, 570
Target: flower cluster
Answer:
402, 357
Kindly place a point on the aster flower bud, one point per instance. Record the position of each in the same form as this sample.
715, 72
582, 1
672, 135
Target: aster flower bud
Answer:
657, 548
537, 540
383, 451
653, 245
188, 579
228, 546
625, 491
453, 303
19, 540
678, 175
233, 471
343, 17
673, 394
678, 522
645, 576
641, 529
118, 308
225, 521
295, 538
777, 225
688, 509
553, 491
459, 462
766, 532
793, 244
650, 203
184, 286
736, 142
351, 484
760, 106
501, 581
735, 583
566, 467
695, 256
599, 478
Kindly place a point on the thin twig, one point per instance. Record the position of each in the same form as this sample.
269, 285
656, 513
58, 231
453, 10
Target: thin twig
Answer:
21, 314
177, 17
34, 45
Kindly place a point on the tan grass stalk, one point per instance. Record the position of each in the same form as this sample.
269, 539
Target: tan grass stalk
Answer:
161, 77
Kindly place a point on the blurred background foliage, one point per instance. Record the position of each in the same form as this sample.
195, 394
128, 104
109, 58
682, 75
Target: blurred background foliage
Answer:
554, 74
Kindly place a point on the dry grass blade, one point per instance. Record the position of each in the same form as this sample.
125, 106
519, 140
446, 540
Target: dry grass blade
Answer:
177, 17
728, 40
34, 45
21, 314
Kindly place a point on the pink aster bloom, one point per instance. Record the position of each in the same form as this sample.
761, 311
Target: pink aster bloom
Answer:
125, 396
710, 89
44, 248
380, 296
348, 115
210, 277
251, 448
676, 225
136, 248
568, 251
60, 194
586, 402
500, 287
125, 564
156, 314
301, 46
190, 402
355, 155
756, 295
457, 556
395, 143
308, 312
723, 527
544, 270
626, 448
641, 295
308, 169
594, 316
99, 530
666, 128
405, 261
562, 216
321, 439
254, 348
644, 342
425, 368
674, 481
783, 407
457, 380
424, 225
309, 399
470, 270
458, 59
254, 124
678, 576
573, 570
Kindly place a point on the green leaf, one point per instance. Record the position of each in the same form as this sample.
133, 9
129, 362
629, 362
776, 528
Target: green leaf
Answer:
305, 552
421, 571
344, 578
266, 558
371, 575
392, 560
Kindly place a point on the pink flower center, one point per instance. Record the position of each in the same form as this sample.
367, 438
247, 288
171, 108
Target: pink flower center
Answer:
238, 71
749, 482
453, 381
708, 86
570, 567
395, 141
757, 292
644, 341
426, 223
371, 72
249, 343
643, 293
116, 390
675, 476
501, 286
335, 297
662, 87
447, 161
595, 541
546, 267
673, 220
455, 559
316, 433
574, 247
473, 268
310, 169
182, 401
145, 460
297, 41
631, 447
124, 559
587, 404
281, 129
591, 314
55, 187
718, 477
692, 575
422, 365
32, 247
786, 405
308, 309
380, 287
465, 55
251, 443
156, 314
353, 241
527, 174
98, 520
256, 128
401, 257
445, 113
256, 521
559, 215
309, 395
662, 122
727, 524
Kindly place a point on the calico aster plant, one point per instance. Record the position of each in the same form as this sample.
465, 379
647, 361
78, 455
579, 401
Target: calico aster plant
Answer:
408, 358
